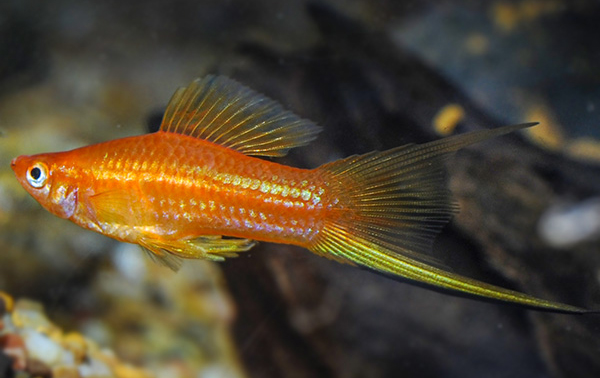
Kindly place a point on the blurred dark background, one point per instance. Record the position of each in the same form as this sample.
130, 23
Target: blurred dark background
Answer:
375, 75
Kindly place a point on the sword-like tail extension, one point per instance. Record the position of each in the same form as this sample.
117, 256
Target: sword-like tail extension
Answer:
393, 203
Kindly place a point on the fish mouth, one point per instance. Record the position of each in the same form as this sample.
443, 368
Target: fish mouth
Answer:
18, 161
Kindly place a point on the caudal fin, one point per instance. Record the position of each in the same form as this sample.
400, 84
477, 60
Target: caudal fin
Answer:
394, 204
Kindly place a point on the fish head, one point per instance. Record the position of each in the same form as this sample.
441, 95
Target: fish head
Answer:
45, 177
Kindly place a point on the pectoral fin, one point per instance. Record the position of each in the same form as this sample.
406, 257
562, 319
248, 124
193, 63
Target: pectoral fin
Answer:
114, 206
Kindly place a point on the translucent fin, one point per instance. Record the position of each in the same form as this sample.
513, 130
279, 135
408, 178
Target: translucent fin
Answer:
225, 112
212, 248
395, 202
340, 240
401, 194
114, 206
164, 258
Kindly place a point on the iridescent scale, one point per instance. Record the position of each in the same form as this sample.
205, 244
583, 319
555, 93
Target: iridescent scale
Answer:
186, 187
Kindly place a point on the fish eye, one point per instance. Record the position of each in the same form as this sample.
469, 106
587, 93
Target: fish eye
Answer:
37, 175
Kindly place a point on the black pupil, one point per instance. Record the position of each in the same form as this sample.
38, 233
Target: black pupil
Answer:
35, 173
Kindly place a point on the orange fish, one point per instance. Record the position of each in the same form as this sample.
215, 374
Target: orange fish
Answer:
176, 192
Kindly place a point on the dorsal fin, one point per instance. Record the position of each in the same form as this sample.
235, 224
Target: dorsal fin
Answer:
223, 111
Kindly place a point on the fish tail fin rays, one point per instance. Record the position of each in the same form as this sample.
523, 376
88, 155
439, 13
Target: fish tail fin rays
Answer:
393, 205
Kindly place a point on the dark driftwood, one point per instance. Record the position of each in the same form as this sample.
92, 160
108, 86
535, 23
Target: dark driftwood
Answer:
304, 316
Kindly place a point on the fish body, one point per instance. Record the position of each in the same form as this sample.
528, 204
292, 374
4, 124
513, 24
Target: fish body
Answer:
165, 185
195, 189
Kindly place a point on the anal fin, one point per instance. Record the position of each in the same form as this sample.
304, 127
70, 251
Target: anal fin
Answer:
163, 257
214, 248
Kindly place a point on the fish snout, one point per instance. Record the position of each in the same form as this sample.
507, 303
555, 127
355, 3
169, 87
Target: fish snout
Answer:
19, 162
16, 164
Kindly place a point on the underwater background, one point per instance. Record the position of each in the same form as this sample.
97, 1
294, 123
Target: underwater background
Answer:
375, 75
